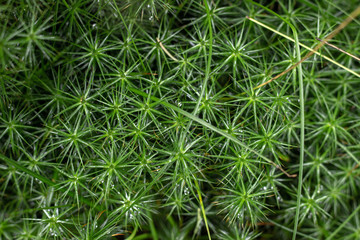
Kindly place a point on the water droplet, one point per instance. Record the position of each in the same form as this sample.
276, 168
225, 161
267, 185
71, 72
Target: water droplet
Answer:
186, 191
151, 18
148, 6
321, 187
179, 104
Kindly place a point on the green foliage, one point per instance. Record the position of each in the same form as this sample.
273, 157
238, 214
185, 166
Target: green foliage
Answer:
142, 119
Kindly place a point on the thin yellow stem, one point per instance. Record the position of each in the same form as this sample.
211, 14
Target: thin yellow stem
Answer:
165, 50
312, 51
339, 49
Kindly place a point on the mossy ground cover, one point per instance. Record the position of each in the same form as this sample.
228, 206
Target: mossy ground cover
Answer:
174, 119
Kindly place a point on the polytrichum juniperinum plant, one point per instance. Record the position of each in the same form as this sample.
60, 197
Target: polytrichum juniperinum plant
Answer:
167, 119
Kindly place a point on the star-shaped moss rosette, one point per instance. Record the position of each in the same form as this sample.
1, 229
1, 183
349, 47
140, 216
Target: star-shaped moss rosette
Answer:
179, 119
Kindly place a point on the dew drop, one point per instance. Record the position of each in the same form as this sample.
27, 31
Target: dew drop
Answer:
320, 189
